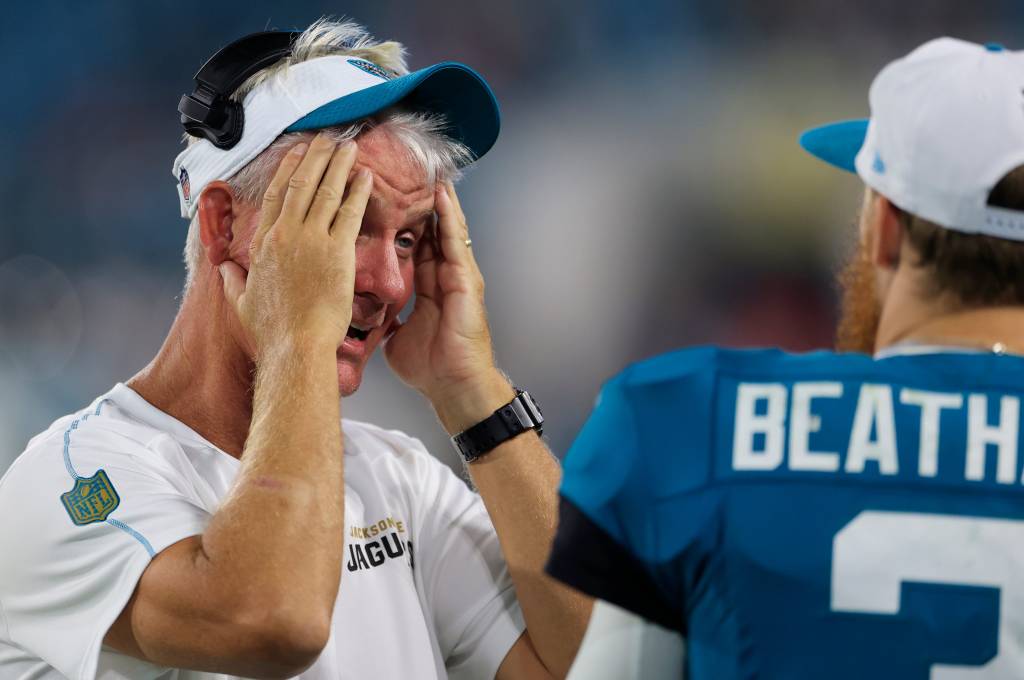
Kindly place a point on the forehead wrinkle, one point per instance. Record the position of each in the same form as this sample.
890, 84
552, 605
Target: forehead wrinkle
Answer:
399, 183
387, 198
404, 198
383, 153
412, 218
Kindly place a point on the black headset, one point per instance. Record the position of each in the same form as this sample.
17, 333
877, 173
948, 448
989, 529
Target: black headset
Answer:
209, 112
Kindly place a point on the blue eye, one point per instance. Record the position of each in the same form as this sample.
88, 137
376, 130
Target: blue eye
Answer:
407, 241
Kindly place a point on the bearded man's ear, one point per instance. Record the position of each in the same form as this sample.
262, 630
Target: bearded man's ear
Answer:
885, 233
216, 219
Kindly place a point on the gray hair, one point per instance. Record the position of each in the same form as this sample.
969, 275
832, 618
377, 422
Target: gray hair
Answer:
421, 134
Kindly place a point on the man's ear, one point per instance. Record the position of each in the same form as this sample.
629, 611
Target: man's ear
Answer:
885, 232
216, 219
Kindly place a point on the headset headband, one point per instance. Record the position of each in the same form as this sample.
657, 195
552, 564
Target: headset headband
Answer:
208, 111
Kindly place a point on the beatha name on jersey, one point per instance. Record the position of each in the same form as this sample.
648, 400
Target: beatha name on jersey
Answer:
877, 429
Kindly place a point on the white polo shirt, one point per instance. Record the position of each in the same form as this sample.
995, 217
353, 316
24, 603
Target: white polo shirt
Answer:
425, 592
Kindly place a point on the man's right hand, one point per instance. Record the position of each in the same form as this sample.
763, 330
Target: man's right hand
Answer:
254, 595
301, 280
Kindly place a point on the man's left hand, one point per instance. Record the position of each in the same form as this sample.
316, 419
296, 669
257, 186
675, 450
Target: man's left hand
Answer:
444, 348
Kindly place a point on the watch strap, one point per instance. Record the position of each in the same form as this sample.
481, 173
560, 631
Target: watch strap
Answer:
511, 420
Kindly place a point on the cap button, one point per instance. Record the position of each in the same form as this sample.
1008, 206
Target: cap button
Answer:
994, 47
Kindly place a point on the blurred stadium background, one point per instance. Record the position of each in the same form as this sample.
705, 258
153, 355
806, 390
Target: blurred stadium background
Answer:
647, 191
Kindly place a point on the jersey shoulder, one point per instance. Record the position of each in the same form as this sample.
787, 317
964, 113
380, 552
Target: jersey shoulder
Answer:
652, 434
672, 398
693, 366
80, 443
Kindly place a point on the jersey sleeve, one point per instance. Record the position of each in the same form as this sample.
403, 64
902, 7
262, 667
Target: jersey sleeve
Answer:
466, 586
81, 516
591, 551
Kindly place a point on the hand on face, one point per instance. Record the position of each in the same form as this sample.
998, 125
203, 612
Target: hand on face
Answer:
302, 256
445, 345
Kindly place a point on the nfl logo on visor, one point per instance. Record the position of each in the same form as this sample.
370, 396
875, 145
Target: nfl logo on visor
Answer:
373, 69
186, 190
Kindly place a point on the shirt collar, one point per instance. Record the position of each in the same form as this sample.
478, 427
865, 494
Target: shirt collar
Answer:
911, 348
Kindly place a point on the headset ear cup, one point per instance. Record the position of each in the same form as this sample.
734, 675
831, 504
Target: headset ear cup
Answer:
231, 131
196, 129
208, 112
224, 135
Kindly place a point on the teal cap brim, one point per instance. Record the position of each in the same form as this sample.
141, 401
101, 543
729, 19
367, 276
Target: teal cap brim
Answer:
451, 89
836, 143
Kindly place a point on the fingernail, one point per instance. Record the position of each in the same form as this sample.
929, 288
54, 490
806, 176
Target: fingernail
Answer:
365, 174
299, 149
442, 195
348, 144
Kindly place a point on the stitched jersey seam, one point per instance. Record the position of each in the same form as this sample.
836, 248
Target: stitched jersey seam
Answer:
146, 545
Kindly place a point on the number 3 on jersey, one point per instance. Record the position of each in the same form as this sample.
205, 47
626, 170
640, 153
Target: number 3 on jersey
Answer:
877, 552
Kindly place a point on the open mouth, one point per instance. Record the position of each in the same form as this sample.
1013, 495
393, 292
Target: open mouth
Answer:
357, 333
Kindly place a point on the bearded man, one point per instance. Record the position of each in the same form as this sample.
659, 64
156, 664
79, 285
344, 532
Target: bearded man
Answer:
214, 516
756, 514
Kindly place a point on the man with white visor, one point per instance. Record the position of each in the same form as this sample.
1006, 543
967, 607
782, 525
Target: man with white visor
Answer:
837, 515
213, 517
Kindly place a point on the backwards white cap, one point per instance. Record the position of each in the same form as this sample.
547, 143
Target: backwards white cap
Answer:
947, 123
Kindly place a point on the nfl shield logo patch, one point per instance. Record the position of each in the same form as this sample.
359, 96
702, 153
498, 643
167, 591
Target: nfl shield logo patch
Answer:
186, 189
91, 500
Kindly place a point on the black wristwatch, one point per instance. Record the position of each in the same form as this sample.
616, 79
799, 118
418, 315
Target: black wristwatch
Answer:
511, 420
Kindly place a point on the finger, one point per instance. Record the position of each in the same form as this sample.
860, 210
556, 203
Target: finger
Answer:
451, 230
327, 198
306, 178
427, 249
393, 328
454, 196
273, 197
234, 281
425, 276
349, 217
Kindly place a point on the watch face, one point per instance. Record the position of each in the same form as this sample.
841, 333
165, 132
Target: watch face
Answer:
533, 407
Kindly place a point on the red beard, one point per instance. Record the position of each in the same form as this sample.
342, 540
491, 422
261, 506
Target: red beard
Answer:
860, 310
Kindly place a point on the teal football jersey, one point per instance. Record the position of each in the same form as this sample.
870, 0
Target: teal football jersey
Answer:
808, 516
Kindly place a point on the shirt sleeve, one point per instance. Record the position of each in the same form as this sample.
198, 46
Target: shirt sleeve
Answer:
619, 644
464, 579
81, 516
603, 513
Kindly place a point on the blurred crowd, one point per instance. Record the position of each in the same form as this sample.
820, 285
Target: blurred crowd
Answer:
646, 193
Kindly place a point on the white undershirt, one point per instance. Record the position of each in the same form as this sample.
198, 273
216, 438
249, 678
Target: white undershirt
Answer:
622, 645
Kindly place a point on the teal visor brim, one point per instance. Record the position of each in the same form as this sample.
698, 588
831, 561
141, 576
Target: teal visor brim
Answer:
451, 89
837, 143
